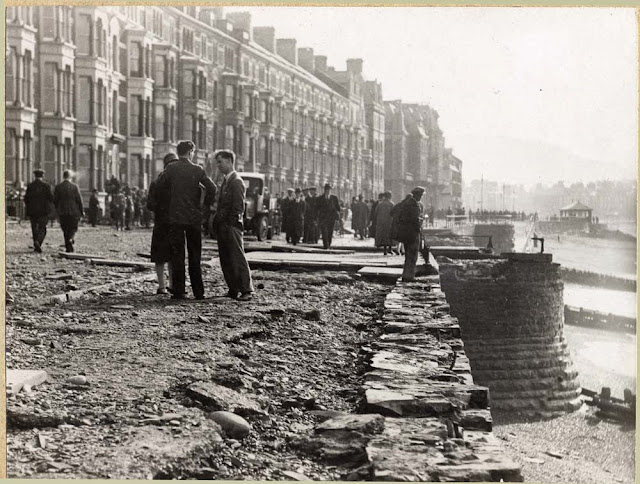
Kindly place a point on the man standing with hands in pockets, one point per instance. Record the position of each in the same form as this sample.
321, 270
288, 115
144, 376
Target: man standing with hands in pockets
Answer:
229, 229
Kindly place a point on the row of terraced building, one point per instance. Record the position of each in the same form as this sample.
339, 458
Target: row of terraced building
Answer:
108, 91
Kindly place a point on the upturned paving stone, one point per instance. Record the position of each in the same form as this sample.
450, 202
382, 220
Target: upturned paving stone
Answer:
220, 398
18, 379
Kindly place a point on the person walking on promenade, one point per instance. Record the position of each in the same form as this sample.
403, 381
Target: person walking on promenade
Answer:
182, 179
298, 217
328, 209
68, 202
229, 229
94, 208
128, 208
409, 225
382, 223
374, 207
158, 203
359, 217
38, 200
116, 207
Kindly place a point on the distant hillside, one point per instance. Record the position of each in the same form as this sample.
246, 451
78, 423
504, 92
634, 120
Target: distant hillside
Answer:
528, 162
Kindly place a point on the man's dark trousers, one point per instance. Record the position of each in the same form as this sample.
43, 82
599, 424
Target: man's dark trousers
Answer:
39, 229
233, 262
177, 235
326, 228
69, 226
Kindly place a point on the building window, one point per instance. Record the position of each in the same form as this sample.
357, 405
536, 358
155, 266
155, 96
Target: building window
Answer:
85, 100
84, 39
160, 123
49, 91
161, 71
114, 112
100, 47
229, 135
263, 111
189, 81
172, 126
262, 150
10, 76
188, 127
147, 117
48, 26
136, 125
229, 97
99, 103
229, 58
27, 79
202, 133
122, 117
202, 86
214, 100
135, 60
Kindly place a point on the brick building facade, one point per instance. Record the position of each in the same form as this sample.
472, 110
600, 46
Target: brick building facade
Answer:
108, 91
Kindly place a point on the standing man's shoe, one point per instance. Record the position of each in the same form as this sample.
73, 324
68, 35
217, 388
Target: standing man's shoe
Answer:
232, 294
245, 296
36, 247
178, 296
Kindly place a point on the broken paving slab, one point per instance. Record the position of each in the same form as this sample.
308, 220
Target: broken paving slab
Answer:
18, 379
220, 398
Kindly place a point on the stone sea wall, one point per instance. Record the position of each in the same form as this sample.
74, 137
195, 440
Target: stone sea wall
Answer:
511, 314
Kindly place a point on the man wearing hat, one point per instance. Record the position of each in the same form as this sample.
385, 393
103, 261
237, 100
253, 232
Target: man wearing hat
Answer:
328, 209
68, 202
409, 224
312, 216
94, 207
298, 211
38, 200
287, 214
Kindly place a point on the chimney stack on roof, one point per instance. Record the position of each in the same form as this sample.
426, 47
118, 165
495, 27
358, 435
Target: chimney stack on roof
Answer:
240, 20
287, 49
354, 66
266, 37
306, 59
320, 62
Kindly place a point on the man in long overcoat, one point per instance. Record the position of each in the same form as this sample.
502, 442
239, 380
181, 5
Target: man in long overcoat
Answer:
38, 200
328, 208
68, 202
409, 225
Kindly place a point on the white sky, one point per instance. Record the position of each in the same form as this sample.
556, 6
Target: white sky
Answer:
504, 80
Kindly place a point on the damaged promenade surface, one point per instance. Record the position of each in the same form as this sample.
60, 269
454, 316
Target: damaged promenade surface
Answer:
323, 376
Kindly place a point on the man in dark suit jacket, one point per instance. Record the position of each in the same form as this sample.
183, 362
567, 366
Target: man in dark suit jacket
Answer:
183, 180
409, 224
229, 229
328, 209
68, 202
38, 201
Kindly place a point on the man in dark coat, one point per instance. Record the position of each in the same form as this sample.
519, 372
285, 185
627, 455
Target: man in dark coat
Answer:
359, 217
409, 225
38, 200
229, 229
328, 209
312, 218
298, 210
287, 215
68, 202
183, 180
94, 207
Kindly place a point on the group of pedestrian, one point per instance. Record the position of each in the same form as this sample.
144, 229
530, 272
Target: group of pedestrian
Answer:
307, 216
177, 198
128, 208
40, 202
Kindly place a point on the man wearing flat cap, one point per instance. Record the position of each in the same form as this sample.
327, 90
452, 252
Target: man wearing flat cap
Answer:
38, 201
409, 224
328, 209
